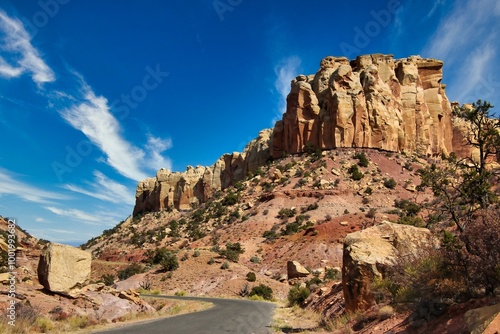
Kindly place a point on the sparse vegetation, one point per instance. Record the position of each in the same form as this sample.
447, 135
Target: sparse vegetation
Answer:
298, 295
133, 269
390, 183
262, 291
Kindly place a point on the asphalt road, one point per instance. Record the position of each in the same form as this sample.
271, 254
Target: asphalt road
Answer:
227, 316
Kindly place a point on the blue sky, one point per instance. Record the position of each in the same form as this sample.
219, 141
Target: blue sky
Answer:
96, 95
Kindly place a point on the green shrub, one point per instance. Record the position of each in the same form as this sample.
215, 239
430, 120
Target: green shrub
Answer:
169, 262
356, 174
298, 295
286, 213
251, 277
255, 259
230, 199
362, 159
133, 269
108, 279
196, 253
263, 291
390, 183
332, 274
225, 265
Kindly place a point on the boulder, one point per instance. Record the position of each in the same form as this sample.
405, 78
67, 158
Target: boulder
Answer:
483, 320
296, 270
62, 268
368, 253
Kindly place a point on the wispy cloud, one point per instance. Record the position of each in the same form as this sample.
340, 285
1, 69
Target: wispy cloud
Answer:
9, 185
84, 217
105, 189
285, 72
16, 43
155, 147
94, 119
469, 21
467, 40
437, 4
41, 220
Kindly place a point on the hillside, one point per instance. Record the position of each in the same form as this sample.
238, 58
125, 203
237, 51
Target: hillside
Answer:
295, 208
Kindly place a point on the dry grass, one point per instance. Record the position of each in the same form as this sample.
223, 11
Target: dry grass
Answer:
295, 318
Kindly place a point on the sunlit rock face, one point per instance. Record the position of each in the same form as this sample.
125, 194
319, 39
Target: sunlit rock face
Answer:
373, 101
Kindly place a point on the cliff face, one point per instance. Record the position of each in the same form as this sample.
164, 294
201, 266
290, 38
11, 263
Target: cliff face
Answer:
196, 185
373, 101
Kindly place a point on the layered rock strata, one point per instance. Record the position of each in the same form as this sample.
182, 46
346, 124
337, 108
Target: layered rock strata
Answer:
197, 184
373, 101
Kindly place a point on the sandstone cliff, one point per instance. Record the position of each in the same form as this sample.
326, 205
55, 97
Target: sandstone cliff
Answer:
373, 101
196, 185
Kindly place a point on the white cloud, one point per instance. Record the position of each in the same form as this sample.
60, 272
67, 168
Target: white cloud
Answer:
24, 57
94, 119
41, 220
285, 72
105, 189
10, 186
437, 4
469, 22
155, 147
467, 40
84, 217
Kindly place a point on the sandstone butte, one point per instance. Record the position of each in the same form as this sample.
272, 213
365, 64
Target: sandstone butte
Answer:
373, 101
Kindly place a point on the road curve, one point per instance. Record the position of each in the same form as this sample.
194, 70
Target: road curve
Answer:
226, 316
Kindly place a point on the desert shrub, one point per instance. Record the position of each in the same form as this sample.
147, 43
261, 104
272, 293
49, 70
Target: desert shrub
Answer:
286, 213
108, 279
291, 228
196, 253
211, 261
263, 291
230, 199
78, 322
298, 295
251, 277
169, 262
185, 257
270, 235
43, 325
369, 191
332, 274
180, 293
355, 173
362, 159
255, 259
390, 183
314, 281
232, 251
409, 208
133, 269
265, 212
225, 265
371, 213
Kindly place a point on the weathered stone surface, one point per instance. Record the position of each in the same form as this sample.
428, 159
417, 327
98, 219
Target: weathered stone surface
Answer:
373, 101
483, 320
197, 184
368, 254
62, 268
296, 270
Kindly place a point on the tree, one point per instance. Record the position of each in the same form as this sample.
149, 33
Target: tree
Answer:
464, 186
483, 131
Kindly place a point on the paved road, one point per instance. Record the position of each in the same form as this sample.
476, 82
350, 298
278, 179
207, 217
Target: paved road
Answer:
227, 316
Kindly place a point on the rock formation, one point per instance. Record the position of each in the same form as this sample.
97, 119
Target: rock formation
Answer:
296, 270
368, 254
196, 185
62, 268
373, 101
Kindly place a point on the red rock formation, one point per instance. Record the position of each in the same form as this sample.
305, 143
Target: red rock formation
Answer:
373, 101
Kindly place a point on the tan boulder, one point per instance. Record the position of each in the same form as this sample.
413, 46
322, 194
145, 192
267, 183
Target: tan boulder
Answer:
483, 320
296, 270
368, 254
62, 268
